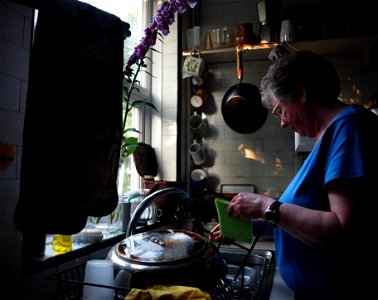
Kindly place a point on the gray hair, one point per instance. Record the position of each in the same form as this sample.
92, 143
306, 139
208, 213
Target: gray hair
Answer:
287, 77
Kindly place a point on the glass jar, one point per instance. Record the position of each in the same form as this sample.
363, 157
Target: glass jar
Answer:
62, 243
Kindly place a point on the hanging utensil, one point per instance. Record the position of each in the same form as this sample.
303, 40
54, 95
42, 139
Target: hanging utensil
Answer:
242, 109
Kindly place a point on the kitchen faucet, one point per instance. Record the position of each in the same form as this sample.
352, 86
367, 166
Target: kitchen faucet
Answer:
148, 201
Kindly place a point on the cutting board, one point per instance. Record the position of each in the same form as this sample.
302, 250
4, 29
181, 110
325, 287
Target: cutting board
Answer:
231, 227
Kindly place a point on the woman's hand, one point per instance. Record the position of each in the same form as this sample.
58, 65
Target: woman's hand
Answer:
243, 205
249, 205
215, 234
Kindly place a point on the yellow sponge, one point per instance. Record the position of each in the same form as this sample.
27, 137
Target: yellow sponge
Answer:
231, 227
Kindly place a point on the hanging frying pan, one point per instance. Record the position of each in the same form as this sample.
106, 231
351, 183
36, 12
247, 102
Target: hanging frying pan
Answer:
242, 109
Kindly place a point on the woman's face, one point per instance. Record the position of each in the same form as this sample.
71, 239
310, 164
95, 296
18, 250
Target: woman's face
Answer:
294, 115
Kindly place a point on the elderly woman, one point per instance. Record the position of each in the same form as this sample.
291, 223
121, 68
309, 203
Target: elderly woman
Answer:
326, 216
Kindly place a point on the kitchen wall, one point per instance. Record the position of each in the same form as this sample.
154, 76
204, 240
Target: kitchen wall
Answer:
265, 158
15, 35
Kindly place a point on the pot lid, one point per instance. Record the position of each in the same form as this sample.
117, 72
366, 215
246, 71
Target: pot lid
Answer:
161, 246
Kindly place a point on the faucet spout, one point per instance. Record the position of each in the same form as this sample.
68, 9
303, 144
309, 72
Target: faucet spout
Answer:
148, 201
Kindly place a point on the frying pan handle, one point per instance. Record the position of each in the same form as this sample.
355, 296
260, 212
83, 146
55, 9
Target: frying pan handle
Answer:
239, 63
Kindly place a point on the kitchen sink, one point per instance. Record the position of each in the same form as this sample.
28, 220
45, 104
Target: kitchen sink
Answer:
258, 273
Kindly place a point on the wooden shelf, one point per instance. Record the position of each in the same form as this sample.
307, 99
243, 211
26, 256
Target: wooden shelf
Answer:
225, 55
261, 51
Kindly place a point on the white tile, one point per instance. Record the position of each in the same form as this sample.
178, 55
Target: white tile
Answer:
21, 9
170, 74
10, 93
12, 25
12, 127
169, 127
169, 142
14, 60
23, 96
9, 196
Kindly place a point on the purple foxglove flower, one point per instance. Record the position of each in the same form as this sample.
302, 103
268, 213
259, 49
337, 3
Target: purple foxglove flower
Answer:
192, 3
165, 16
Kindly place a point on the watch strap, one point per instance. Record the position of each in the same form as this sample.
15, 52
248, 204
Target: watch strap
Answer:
272, 213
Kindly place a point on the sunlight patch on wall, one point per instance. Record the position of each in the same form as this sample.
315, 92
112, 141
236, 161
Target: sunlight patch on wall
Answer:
278, 164
251, 154
353, 94
269, 192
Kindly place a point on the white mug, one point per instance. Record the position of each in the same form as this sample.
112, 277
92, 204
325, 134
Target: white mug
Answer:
197, 153
98, 271
198, 179
193, 37
193, 65
287, 33
149, 215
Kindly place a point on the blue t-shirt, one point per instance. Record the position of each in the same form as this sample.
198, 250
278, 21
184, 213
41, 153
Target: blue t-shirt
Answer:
340, 153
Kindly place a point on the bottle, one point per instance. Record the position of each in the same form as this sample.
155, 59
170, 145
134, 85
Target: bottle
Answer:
62, 243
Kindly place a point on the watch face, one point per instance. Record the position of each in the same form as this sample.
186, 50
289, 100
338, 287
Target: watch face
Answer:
269, 215
196, 101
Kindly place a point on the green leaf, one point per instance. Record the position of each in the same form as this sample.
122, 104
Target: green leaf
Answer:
138, 103
148, 73
131, 130
129, 140
157, 51
131, 149
129, 144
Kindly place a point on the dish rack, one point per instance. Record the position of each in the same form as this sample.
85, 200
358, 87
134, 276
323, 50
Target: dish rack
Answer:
70, 283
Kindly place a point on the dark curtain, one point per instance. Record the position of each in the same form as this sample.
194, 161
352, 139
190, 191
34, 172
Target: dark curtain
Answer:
73, 119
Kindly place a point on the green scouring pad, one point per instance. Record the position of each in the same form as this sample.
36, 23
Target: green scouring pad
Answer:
231, 227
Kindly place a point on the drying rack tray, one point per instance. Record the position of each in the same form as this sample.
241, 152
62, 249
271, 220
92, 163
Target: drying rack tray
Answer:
70, 283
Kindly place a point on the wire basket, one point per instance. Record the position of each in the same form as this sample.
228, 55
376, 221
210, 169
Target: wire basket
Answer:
70, 283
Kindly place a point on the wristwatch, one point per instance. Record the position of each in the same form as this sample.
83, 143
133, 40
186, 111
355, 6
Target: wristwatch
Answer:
272, 213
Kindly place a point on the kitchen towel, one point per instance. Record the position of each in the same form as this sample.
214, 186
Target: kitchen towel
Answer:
73, 119
163, 292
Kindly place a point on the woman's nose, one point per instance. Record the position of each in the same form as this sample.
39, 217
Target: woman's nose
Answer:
283, 122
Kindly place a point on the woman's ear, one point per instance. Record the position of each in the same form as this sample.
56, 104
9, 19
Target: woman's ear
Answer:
303, 95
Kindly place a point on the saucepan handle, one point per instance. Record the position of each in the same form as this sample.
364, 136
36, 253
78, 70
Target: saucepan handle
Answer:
239, 63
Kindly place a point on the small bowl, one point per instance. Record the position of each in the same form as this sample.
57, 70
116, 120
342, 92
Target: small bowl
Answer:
88, 236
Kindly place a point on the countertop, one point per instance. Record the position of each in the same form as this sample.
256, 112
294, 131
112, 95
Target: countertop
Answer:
280, 291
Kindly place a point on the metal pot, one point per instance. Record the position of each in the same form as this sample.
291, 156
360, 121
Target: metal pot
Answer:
177, 257
242, 109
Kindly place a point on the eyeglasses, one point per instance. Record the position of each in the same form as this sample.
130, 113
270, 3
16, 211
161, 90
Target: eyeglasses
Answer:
276, 113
